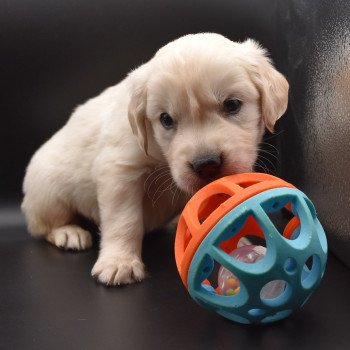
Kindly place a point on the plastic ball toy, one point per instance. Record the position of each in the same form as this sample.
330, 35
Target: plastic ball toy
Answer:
279, 265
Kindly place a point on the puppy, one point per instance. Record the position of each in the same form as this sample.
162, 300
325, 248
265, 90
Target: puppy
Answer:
127, 158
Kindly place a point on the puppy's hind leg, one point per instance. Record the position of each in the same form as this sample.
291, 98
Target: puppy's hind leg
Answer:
55, 222
70, 237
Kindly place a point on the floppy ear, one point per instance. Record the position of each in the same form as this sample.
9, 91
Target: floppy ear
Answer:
272, 85
137, 107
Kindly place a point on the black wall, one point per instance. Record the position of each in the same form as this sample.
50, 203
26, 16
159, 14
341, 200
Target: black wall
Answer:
57, 54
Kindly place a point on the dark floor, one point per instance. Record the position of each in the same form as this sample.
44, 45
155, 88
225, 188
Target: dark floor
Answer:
49, 301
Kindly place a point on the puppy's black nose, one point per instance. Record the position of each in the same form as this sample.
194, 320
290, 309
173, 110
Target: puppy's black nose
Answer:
208, 166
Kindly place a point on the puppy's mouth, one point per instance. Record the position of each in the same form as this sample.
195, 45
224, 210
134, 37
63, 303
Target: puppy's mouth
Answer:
192, 175
195, 176
201, 182
191, 181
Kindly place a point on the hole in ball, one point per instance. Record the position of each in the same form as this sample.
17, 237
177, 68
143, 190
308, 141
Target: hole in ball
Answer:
210, 205
251, 240
309, 263
290, 265
282, 217
311, 271
273, 289
256, 312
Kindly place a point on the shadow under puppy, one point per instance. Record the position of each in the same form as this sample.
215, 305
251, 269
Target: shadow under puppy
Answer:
129, 158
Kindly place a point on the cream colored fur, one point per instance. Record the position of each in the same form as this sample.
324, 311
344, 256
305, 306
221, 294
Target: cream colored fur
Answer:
114, 162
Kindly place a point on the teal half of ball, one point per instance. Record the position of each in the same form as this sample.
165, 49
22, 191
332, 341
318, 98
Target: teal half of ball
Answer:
299, 261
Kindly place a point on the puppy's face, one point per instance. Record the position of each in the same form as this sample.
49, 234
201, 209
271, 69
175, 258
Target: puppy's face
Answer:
204, 101
206, 119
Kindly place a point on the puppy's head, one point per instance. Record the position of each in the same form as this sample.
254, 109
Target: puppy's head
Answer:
205, 102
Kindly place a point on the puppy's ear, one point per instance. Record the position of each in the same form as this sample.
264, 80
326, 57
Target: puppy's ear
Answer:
272, 85
137, 106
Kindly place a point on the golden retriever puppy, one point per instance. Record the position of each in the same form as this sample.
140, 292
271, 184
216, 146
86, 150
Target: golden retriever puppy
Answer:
127, 158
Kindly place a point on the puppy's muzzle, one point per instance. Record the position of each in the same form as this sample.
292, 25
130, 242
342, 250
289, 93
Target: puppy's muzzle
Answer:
207, 167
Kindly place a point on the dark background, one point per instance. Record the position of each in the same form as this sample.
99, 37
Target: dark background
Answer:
57, 54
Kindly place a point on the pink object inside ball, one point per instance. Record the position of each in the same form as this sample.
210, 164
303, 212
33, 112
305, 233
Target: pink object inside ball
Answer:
229, 284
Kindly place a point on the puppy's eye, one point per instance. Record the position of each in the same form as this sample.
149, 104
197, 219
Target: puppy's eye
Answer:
232, 106
167, 121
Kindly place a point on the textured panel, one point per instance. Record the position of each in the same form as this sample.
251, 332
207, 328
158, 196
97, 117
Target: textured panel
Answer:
316, 151
327, 146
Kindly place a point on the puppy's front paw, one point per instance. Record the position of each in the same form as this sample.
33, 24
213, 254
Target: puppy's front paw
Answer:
118, 270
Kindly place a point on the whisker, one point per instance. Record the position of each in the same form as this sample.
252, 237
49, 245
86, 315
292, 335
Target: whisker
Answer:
157, 178
269, 153
270, 170
173, 199
160, 191
152, 173
263, 167
161, 176
274, 135
162, 184
269, 144
268, 160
